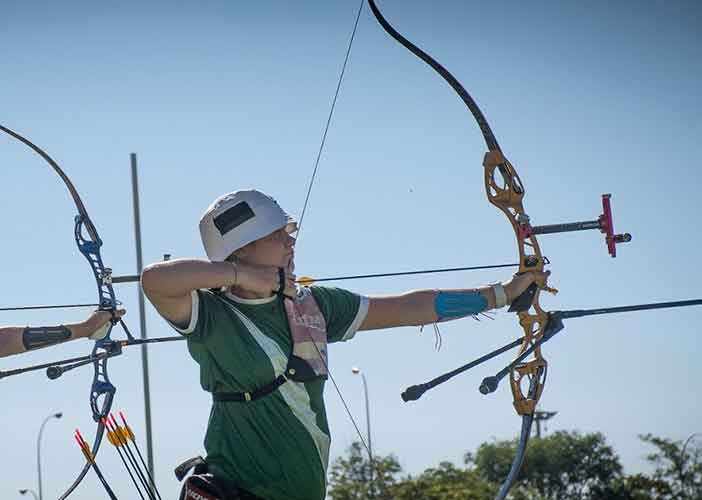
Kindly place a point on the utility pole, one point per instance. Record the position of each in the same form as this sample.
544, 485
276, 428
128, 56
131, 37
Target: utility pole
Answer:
142, 316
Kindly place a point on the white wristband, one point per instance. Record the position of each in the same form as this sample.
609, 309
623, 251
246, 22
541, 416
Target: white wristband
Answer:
500, 295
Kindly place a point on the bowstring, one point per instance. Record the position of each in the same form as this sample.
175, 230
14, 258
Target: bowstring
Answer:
304, 210
329, 119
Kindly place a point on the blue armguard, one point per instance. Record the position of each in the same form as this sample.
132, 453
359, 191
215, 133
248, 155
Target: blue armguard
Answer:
456, 305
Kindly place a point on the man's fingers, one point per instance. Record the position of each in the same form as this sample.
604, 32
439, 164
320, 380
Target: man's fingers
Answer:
101, 332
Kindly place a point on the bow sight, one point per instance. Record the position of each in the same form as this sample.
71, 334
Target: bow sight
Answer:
604, 223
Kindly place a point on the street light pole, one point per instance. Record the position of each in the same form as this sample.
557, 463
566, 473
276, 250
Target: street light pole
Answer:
41, 431
355, 370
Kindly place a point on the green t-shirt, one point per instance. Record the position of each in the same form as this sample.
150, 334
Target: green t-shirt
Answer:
276, 447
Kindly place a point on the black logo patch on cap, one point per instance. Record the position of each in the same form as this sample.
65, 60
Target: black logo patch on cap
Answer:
233, 217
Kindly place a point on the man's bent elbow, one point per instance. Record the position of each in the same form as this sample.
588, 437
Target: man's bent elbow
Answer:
149, 279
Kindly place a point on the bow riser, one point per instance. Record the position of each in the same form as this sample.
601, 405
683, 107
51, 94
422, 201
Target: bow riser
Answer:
90, 249
504, 189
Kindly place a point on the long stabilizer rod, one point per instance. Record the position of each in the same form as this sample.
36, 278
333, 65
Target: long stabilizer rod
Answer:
556, 318
579, 313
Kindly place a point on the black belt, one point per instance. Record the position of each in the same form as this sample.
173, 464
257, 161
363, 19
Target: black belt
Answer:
253, 395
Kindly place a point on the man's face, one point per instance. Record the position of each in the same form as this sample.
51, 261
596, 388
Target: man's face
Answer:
276, 249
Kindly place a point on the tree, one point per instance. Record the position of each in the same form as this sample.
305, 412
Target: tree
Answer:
353, 478
446, 482
561, 466
356, 478
635, 487
677, 464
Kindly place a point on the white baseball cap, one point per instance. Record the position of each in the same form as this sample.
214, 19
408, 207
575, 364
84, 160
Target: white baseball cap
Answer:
236, 219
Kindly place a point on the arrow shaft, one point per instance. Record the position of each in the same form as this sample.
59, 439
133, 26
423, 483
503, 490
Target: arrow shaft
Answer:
412, 273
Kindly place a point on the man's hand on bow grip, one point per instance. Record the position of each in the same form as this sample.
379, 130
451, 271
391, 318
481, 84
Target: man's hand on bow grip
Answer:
520, 282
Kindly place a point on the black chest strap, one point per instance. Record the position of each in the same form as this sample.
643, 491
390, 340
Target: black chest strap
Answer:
297, 370
253, 395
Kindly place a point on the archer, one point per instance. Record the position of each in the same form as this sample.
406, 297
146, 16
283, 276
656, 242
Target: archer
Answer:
261, 344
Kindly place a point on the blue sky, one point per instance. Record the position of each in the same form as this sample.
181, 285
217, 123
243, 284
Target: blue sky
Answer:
585, 99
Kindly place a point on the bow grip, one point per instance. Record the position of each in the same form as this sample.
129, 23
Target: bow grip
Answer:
524, 301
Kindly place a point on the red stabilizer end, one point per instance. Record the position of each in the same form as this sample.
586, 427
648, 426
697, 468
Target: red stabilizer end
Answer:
607, 225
